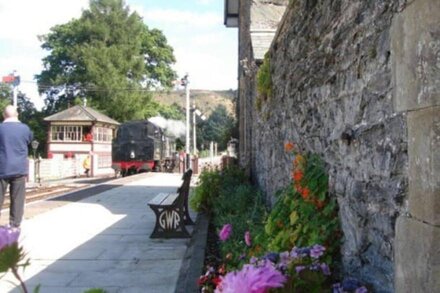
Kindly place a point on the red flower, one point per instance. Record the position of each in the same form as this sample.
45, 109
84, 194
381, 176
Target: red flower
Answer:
217, 281
305, 192
202, 280
298, 175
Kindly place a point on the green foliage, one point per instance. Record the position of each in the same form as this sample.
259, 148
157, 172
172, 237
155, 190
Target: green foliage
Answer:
173, 111
242, 206
10, 256
230, 198
109, 56
29, 115
305, 214
208, 188
95, 290
5, 96
219, 127
264, 82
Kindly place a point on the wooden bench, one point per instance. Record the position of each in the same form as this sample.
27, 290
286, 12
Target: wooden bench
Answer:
171, 210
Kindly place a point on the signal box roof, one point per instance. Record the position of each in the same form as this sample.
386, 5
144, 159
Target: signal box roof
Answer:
81, 113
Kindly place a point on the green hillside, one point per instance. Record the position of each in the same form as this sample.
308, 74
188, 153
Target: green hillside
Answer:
204, 100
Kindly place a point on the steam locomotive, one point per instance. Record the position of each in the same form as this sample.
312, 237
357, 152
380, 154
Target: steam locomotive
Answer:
142, 146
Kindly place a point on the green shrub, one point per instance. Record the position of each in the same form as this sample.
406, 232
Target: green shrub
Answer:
264, 82
304, 213
207, 189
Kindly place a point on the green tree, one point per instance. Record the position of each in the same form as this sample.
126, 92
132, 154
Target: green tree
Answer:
172, 111
109, 56
5, 96
219, 127
29, 115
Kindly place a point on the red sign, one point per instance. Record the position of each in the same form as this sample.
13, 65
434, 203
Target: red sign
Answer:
8, 79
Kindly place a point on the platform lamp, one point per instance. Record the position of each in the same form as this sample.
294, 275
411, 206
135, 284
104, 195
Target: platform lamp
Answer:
35, 145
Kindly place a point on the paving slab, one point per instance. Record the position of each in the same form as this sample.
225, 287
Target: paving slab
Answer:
101, 241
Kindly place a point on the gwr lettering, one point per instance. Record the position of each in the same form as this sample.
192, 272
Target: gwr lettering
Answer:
169, 220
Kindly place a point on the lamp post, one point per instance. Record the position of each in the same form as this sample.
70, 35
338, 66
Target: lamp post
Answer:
185, 82
34, 145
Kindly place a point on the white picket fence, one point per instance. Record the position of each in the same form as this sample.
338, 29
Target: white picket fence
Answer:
52, 169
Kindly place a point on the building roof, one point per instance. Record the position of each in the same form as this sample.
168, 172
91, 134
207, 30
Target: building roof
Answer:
265, 16
81, 113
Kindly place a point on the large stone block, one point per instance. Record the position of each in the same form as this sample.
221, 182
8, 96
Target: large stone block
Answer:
415, 49
417, 256
424, 164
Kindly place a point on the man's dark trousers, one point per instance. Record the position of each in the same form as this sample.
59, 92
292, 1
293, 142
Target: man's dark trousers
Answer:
17, 191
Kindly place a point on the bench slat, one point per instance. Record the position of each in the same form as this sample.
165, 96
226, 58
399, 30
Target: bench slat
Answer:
170, 199
158, 199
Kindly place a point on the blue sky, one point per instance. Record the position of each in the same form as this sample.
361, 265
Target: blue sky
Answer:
203, 46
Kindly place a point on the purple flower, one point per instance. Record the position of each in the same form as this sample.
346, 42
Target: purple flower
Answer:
8, 236
251, 279
225, 232
294, 253
247, 238
350, 284
325, 269
302, 251
284, 257
253, 260
361, 290
317, 250
272, 256
298, 269
336, 288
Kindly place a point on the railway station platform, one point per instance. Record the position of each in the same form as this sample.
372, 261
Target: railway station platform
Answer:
99, 238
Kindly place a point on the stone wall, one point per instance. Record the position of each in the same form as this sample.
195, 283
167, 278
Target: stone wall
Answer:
415, 43
333, 95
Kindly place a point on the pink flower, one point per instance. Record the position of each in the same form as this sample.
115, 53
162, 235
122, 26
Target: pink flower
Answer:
8, 236
252, 279
225, 232
247, 238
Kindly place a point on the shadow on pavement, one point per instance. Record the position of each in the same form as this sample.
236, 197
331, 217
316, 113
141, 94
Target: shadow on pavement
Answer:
102, 241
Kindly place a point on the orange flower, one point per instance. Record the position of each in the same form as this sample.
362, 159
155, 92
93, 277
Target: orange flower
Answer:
299, 160
280, 224
298, 175
289, 146
305, 192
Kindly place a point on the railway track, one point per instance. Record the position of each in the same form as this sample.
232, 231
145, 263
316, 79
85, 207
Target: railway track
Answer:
48, 192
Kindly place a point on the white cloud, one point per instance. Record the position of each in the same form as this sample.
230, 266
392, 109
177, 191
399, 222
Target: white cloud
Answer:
205, 2
181, 17
23, 20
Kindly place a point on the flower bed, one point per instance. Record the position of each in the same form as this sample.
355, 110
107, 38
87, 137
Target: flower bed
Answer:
291, 248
